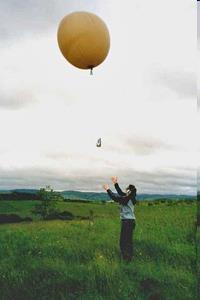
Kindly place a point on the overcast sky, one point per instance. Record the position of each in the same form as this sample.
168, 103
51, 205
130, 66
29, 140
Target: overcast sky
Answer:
141, 100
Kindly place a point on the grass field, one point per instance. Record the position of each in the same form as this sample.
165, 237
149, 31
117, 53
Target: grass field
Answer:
80, 259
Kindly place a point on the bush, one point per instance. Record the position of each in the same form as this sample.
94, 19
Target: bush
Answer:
65, 215
49, 201
12, 218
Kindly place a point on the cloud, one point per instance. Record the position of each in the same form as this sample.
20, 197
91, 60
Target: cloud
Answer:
141, 145
198, 22
53, 142
162, 180
182, 83
24, 18
16, 100
157, 181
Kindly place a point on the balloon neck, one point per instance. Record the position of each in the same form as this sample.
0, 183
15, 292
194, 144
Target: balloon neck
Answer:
91, 69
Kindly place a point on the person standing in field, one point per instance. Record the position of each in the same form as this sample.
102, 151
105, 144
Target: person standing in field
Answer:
127, 201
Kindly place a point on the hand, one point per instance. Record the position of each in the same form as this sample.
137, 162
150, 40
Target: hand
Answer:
114, 179
106, 187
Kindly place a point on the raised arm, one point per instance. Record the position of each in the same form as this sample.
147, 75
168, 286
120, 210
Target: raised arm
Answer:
119, 191
116, 185
120, 199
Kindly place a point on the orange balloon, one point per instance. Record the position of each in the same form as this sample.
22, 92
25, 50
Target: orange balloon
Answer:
83, 39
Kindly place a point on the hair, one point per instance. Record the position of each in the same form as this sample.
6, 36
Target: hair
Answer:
132, 194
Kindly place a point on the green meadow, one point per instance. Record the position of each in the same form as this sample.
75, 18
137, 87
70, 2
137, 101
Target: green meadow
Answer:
79, 259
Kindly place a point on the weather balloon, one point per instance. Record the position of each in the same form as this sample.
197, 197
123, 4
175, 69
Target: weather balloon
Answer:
83, 39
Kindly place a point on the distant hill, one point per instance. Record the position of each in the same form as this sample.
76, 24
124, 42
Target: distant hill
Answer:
27, 191
92, 196
104, 196
95, 196
4, 192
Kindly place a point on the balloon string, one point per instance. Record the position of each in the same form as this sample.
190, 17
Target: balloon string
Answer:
91, 69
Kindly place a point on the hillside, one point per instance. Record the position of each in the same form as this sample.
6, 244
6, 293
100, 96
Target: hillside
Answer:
80, 258
98, 196
104, 197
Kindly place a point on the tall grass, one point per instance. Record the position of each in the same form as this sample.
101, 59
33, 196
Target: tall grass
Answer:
80, 259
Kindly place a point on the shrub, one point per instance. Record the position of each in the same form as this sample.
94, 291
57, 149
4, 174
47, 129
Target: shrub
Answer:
48, 205
12, 218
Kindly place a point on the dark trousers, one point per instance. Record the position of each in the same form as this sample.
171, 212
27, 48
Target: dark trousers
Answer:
126, 239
